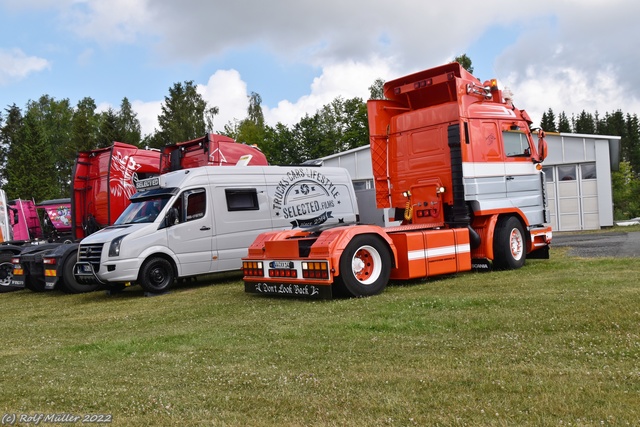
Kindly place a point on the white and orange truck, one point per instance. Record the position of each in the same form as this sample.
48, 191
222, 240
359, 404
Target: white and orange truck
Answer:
457, 163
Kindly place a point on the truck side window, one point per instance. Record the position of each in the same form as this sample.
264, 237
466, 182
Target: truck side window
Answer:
515, 144
196, 204
242, 199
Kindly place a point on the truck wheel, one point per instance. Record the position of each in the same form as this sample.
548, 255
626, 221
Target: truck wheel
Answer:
365, 266
68, 282
508, 244
156, 275
6, 273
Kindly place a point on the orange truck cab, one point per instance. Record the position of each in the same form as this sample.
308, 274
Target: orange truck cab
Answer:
452, 158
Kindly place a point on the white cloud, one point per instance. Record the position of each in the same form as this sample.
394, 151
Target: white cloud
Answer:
16, 65
147, 115
225, 90
569, 90
120, 21
348, 80
571, 55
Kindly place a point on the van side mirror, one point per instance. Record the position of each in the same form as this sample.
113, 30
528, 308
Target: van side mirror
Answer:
172, 217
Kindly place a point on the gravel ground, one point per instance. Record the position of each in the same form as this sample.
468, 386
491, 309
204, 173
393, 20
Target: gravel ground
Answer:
599, 244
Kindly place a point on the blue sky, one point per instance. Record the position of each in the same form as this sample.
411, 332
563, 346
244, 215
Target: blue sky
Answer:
298, 55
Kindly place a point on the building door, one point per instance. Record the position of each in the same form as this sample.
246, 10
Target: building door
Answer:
573, 197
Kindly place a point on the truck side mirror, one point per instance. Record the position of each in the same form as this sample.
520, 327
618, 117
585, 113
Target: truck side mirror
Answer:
542, 146
16, 217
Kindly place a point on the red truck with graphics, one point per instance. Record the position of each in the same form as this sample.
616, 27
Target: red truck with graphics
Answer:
102, 183
452, 158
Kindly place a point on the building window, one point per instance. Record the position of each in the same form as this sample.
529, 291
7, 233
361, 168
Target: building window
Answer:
588, 171
567, 173
548, 173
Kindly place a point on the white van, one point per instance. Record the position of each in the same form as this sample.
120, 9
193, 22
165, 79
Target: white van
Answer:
202, 220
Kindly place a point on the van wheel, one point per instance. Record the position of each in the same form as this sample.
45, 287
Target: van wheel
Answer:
365, 266
508, 244
68, 282
156, 275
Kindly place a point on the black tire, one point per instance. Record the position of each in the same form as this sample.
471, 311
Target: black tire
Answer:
509, 251
68, 282
156, 275
6, 272
365, 266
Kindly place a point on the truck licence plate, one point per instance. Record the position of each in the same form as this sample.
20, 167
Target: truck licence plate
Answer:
281, 264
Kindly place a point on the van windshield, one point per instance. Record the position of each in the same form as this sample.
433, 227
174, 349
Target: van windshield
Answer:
141, 211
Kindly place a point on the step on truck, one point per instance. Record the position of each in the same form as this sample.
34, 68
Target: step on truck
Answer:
200, 221
102, 182
457, 163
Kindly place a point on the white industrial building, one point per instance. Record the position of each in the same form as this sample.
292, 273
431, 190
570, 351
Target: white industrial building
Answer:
578, 172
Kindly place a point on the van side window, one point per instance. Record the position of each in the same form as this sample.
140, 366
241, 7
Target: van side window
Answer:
242, 199
515, 143
196, 203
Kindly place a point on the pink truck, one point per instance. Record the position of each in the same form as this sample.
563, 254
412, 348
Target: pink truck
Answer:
24, 224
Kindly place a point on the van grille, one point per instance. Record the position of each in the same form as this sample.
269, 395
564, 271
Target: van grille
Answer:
91, 253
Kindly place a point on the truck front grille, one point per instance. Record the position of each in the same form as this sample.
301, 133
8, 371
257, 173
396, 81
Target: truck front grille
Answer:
91, 253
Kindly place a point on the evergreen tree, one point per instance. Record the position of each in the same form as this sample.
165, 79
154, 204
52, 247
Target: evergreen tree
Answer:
182, 117
8, 135
31, 164
128, 124
585, 123
633, 144
563, 123
548, 122
109, 130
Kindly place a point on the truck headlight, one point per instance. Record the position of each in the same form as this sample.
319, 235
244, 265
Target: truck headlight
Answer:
114, 248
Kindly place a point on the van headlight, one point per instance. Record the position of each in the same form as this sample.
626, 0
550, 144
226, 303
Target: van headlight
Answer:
114, 248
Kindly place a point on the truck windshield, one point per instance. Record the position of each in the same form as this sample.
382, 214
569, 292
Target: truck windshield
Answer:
140, 211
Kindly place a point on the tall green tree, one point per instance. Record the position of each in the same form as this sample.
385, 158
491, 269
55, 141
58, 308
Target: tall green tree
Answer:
109, 129
281, 147
548, 122
8, 135
33, 164
128, 124
465, 61
564, 125
626, 192
585, 123
251, 129
376, 90
182, 117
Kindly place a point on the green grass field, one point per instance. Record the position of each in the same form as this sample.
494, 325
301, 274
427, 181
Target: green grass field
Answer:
556, 343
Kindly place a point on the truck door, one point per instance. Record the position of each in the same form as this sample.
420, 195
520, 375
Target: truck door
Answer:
523, 180
191, 238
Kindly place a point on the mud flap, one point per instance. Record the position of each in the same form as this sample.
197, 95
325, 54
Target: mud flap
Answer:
481, 264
